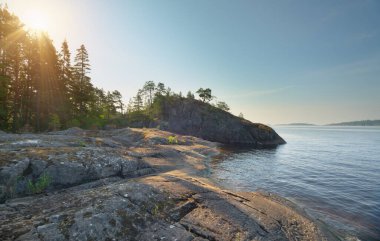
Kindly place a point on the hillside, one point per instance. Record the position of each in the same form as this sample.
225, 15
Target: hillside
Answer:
358, 123
193, 117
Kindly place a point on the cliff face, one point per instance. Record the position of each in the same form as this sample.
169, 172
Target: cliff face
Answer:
193, 117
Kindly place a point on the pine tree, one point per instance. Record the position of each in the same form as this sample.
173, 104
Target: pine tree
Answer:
205, 94
82, 87
39, 87
50, 94
118, 102
160, 89
190, 95
66, 70
138, 101
12, 40
148, 89
66, 77
32, 71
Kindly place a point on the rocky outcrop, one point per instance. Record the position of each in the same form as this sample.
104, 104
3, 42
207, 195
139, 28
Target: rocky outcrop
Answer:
131, 184
193, 117
67, 160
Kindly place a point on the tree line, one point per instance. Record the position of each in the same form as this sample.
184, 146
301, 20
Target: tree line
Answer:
41, 89
147, 103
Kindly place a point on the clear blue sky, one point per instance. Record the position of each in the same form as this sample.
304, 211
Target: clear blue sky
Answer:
276, 61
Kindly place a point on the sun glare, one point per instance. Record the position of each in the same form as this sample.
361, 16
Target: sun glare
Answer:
35, 21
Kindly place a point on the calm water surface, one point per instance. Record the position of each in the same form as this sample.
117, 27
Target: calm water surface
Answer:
332, 172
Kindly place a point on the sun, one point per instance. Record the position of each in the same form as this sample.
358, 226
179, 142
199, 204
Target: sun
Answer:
35, 21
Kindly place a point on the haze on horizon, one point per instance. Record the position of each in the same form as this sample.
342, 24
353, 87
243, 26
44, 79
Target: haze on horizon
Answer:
275, 61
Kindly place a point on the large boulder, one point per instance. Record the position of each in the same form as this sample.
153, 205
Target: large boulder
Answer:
195, 118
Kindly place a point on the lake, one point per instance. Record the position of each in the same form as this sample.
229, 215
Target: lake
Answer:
332, 172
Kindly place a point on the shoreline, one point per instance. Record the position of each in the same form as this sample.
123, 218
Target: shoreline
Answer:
164, 195
340, 229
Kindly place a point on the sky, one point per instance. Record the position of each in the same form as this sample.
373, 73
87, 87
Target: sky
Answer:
276, 62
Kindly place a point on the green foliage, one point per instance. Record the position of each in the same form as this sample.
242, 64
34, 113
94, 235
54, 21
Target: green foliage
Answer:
81, 143
73, 123
4, 85
160, 89
155, 210
40, 185
222, 105
139, 119
92, 122
54, 122
41, 88
190, 95
142, 113
172, 140
205, 94
148, 89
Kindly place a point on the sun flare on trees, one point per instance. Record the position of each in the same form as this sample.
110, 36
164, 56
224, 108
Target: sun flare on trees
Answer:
35, 21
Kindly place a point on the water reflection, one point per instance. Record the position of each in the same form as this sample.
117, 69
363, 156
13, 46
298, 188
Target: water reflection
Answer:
333, 173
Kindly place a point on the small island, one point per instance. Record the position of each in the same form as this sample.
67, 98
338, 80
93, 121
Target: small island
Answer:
358, 123
298, 124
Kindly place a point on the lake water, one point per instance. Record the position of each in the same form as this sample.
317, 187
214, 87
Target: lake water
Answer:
332, 172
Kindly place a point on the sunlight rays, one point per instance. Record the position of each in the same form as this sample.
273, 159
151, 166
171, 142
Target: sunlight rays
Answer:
35, 21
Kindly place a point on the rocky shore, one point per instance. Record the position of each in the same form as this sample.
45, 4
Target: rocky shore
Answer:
193, 117
130, 184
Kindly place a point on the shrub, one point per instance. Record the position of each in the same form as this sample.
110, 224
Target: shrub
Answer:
40, 185
172, 140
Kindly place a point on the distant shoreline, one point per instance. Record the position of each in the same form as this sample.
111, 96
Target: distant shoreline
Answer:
349, 123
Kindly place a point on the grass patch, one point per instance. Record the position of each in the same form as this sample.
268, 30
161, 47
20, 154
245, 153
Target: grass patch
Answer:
40, 185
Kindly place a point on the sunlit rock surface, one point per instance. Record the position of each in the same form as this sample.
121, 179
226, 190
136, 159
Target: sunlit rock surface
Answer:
131, 184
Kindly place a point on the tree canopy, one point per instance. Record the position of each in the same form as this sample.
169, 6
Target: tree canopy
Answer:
205, 94
40, 88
